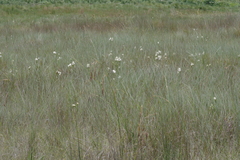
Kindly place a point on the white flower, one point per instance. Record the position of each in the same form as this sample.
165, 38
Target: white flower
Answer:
73, 105
192, 64
215, 98
36, 59
111, 39
179, 70
71, 64
59, 58
54, 52
158, 52
59, 73
159, 57
118, 59
88, 65
114, 71
140, 48
191, 55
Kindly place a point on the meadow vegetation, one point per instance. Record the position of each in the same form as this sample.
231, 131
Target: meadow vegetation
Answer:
114, 81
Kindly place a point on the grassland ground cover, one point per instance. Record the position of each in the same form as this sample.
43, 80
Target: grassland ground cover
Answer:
119, 82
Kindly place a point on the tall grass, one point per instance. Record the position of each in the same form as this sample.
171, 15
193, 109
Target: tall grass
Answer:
147, 86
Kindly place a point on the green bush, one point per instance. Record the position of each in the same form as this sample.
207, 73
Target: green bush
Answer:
209, 2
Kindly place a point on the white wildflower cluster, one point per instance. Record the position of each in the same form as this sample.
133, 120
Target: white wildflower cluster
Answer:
197, 54
75, 104
37, 58
199, 36
55, 53
114, 71
118, 59
117, 77
71, 64
158, 55
196, 57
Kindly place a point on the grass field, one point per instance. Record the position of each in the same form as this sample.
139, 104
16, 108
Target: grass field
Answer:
113, 81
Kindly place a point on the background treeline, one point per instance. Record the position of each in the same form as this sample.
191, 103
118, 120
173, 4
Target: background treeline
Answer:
193, 2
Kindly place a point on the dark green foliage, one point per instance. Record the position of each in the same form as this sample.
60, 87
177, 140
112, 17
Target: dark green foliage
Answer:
192, 2
209, 2
40, 1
